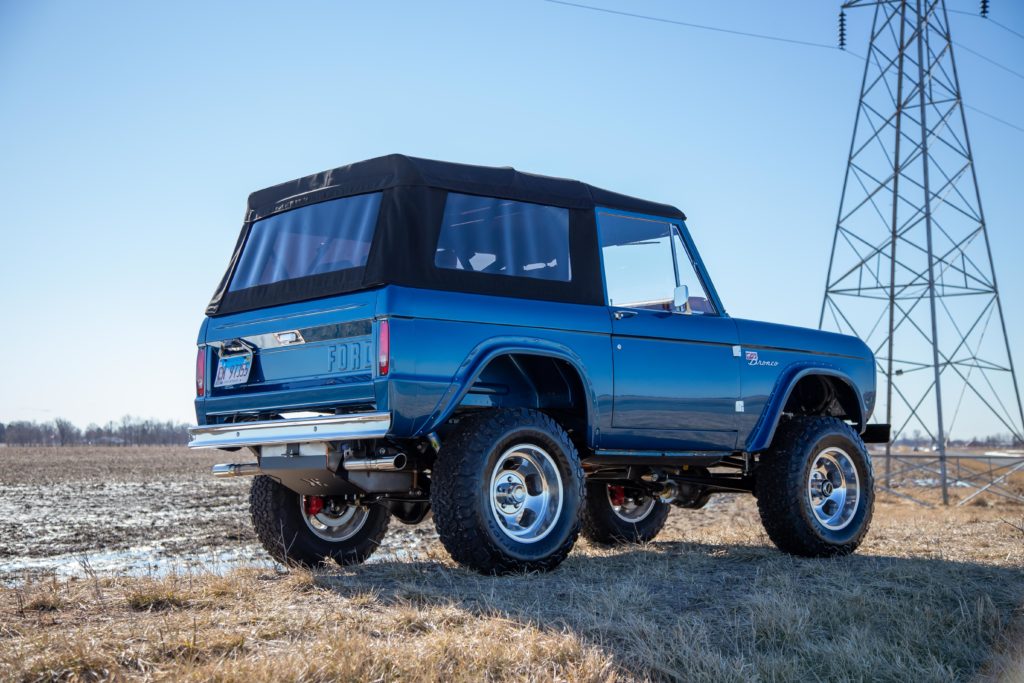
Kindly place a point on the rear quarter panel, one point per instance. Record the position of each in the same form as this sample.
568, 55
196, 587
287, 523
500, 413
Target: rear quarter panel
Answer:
441, 340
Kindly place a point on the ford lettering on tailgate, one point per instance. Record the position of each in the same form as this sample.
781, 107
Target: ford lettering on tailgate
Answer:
349, 356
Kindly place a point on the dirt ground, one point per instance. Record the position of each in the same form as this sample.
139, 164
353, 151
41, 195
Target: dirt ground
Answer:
130, 510
136, 563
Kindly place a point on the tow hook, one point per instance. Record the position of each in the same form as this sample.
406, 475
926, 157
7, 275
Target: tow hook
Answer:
314, 505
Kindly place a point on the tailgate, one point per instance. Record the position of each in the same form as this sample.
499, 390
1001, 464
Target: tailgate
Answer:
310, 355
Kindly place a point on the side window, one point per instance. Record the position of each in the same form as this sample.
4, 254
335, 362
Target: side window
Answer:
645, 259
638, 268
504, 237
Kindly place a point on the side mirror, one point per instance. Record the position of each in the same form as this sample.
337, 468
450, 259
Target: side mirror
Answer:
681, 299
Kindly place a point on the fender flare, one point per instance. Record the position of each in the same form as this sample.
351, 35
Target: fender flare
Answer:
482, 354
764, 430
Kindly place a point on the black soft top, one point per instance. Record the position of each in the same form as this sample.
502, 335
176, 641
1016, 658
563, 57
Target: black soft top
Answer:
406, 233
396, 170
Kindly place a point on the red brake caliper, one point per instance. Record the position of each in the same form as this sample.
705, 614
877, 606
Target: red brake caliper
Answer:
314, 505
617, 494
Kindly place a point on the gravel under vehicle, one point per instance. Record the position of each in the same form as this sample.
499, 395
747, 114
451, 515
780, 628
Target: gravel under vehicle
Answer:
527, 358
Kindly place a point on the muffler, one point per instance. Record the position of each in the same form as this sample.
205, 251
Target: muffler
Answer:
388, 463
246, 469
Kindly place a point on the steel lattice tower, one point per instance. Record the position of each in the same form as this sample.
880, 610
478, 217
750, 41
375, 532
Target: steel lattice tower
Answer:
911, 269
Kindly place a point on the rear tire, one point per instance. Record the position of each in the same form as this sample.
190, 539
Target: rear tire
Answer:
506, 492
347, 534
637, 518
815, 488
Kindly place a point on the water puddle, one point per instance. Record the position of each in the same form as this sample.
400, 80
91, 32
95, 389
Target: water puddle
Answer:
153, 560
144, 560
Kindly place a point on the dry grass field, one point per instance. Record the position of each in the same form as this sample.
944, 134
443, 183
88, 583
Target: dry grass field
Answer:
936, 594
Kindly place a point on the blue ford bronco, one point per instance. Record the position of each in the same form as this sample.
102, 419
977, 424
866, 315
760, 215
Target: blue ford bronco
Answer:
527, 357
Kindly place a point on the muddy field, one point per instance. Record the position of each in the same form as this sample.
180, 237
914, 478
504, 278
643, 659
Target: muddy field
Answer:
135, 563
131, 510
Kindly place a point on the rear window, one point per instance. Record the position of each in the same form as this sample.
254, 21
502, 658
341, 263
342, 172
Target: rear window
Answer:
318, 238
504, 237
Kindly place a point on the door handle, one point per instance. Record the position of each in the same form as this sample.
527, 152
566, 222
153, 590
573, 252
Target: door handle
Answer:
619, 315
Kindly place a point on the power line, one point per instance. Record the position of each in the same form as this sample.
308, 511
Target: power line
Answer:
780, 39
989, 20
989, 60
1007, 28
995, 118
703, 27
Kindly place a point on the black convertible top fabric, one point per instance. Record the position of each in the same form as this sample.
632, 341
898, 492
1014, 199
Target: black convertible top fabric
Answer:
407, 228
397, 169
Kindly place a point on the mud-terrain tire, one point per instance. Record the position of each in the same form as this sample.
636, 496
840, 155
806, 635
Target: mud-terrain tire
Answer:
605, 523
506, 492
791, 479
279, 518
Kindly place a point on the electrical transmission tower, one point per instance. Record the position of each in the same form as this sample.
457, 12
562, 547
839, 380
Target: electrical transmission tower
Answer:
911, 270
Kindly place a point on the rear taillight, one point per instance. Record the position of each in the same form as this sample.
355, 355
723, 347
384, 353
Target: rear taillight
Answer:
383, 348
201, 372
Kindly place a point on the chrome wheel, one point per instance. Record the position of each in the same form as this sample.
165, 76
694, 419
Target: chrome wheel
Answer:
526, 493
632, 509
833, 488
330, 520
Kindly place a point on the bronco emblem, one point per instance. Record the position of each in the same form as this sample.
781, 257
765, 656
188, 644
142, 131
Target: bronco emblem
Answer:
753, 360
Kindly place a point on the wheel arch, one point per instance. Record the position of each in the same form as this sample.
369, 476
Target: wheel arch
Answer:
518, 372
809, 390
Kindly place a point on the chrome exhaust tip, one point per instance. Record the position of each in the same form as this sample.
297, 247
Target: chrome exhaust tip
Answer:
391, 463
247, 469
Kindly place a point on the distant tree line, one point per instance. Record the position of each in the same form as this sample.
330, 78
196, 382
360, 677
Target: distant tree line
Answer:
919, 440
128, 431
135, 431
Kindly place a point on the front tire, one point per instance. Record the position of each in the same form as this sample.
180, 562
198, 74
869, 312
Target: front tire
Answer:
815, 488
506, 492
615, 514
299, 531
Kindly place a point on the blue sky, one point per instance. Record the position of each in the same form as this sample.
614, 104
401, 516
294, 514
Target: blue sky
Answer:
131, 134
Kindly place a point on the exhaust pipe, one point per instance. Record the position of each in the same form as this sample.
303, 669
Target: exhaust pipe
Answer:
391, 463
247, 469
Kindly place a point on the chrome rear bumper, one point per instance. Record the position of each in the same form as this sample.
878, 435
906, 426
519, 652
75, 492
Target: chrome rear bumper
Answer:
296, 430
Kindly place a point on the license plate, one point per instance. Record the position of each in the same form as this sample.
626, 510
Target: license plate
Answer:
233, 370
